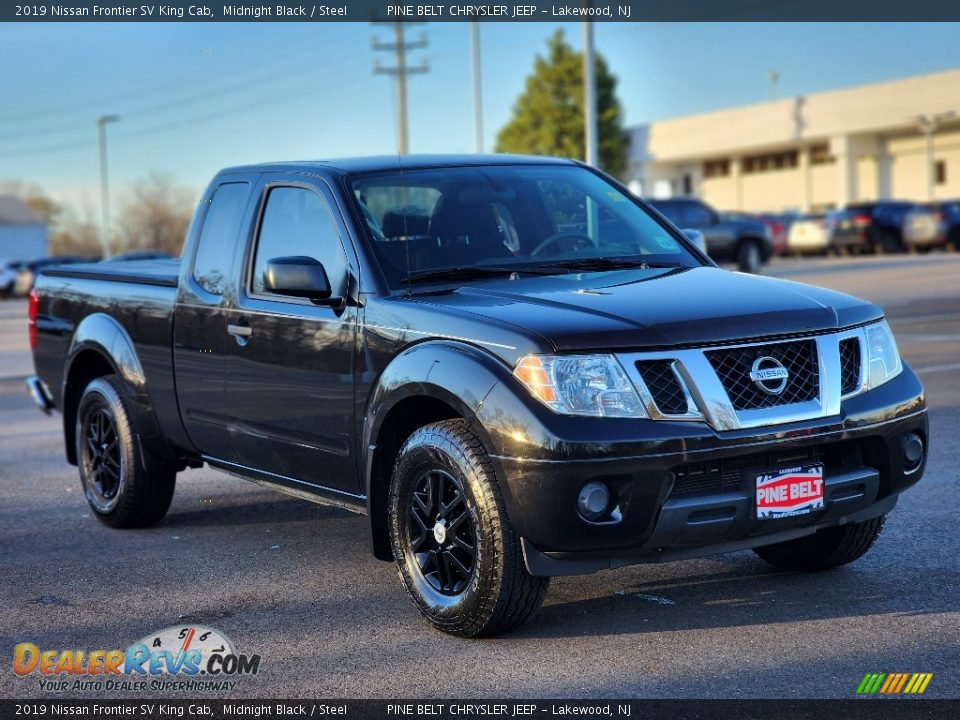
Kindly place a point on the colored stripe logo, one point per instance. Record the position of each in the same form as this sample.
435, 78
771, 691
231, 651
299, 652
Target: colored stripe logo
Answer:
894, 683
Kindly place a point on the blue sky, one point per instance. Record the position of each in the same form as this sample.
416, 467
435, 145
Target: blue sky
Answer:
194, 96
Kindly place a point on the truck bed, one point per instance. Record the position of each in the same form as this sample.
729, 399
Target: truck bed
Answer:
146, 272
77, 306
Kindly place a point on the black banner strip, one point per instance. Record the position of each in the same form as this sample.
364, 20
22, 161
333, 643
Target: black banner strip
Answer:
484, 11
207, 709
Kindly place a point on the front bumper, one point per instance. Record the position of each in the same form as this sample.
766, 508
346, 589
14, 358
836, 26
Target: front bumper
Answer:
545, 459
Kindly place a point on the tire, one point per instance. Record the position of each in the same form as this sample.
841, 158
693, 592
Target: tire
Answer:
124, 485
887, 244
825, 549
443, 475
749, 257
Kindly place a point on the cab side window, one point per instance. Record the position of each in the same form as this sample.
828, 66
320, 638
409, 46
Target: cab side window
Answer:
298, 221
218, 237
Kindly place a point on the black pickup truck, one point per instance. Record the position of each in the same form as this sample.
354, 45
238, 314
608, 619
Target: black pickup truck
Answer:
512, 366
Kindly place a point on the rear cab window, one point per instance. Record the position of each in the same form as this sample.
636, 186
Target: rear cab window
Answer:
218, 236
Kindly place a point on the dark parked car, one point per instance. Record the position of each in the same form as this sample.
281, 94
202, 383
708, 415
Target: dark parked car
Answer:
872, 226
512, 366
747, 242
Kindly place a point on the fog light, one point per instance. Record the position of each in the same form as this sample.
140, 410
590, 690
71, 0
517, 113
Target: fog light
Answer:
593, 501
912, 452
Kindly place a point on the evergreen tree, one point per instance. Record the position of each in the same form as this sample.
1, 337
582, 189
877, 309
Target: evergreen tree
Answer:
548, 115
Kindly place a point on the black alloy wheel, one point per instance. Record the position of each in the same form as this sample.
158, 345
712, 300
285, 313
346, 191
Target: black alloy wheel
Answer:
456, 551
102, 458
124, 482
442, 534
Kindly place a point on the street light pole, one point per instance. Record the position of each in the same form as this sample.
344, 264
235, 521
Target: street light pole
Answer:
477, 92
104, 183
928, 126
589, 97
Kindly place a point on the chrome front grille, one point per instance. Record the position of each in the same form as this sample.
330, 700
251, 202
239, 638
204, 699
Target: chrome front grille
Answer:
726, 388
733, 366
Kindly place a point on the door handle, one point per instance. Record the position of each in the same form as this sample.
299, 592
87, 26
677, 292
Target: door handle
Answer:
240, 331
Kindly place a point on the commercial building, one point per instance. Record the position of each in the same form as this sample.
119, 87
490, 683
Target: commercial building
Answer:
812, 152
23, 232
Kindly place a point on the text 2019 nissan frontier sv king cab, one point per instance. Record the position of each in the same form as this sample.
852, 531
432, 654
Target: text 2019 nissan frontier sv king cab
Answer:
512, 366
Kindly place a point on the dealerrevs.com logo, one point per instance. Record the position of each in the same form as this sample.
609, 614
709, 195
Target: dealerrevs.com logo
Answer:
190, 658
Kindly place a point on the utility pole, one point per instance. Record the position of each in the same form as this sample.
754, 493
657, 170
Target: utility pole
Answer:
104, 183
589, 97
928, 126
477, 91
400, 71
774, 79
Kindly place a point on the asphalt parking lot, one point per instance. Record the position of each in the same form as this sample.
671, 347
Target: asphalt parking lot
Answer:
296, 582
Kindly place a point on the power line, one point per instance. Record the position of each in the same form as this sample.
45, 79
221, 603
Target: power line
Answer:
282, 97
400, 72
291, 53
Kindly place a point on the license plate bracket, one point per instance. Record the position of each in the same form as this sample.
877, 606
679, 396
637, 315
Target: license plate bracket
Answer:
788, 492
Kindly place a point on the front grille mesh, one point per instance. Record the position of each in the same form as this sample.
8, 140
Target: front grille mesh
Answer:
733, 366
714, 477
661, 380
849, 365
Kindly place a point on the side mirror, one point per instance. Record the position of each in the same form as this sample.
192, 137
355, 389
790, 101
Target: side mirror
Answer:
297, 276
696, 237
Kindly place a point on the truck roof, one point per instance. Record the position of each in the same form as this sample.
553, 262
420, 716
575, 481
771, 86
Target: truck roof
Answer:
377, 163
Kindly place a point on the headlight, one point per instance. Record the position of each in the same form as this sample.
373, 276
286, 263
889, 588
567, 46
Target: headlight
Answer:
883, 358
593, 385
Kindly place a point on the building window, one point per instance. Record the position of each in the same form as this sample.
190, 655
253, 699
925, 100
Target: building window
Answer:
940, 172
770, 162
687, 184
716, 168
820, 155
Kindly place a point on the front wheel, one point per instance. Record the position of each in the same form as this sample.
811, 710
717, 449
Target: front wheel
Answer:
749, 257
826, 549
124, 486
457, 553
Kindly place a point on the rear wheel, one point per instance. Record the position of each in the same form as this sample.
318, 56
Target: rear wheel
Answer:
826, 549
749, 256
124, 485
457, 553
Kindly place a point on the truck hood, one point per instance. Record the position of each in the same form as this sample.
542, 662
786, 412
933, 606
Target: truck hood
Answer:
639, 308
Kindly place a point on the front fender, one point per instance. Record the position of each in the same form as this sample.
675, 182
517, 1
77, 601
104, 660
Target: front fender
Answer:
457, 374
425, 383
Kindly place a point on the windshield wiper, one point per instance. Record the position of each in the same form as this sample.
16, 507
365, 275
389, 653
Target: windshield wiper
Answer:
463, 272
605, 263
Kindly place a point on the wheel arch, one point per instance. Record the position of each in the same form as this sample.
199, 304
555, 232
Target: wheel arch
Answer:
429, 382
101, 346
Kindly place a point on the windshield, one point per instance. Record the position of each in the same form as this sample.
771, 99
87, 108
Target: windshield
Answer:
535, 218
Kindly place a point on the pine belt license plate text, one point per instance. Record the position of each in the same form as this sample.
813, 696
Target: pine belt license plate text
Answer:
788, 492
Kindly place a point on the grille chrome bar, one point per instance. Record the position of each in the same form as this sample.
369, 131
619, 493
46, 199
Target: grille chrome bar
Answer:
708, 400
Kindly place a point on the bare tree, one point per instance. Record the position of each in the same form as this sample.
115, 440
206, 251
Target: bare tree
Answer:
76, 232
34, 197
155, 214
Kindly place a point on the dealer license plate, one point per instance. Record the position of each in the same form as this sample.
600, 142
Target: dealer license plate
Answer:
789, 491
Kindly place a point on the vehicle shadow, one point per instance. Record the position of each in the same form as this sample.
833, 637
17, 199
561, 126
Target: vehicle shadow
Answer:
265, 512
744, 593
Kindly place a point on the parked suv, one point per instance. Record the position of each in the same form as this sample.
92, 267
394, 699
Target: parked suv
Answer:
744, 241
